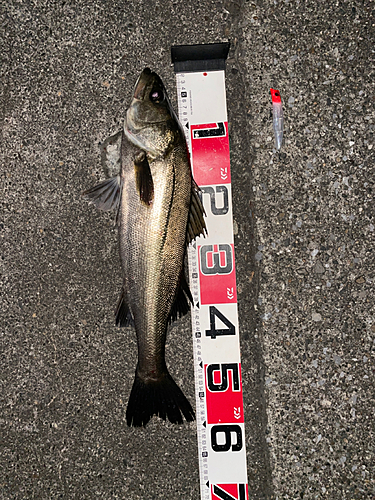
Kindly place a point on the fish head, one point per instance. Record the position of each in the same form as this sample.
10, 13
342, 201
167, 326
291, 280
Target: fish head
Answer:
151, 124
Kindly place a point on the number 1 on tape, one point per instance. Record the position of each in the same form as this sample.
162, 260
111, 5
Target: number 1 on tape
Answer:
220, 417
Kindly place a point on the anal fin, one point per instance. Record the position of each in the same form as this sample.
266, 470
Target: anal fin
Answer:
181, 305
122, 313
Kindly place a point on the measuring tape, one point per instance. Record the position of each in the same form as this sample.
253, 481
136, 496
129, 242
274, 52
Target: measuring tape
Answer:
220, 416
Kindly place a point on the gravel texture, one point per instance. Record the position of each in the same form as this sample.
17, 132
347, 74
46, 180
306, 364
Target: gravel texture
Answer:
304, 239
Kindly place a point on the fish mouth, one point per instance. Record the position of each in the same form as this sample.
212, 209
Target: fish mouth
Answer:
141, 85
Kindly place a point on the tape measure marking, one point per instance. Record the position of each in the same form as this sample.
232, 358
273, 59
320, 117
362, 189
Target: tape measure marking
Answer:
219, 400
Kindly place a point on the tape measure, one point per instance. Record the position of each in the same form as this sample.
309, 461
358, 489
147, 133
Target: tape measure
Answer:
220, 416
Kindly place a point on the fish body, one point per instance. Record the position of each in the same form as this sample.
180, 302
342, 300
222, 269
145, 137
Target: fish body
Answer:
159, 213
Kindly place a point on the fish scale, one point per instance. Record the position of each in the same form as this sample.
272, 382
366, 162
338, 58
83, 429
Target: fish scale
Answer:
143, 227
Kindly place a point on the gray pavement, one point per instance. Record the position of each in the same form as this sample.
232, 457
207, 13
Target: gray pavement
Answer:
304, 243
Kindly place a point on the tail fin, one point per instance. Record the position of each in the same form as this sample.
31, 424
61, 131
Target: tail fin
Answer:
160, 397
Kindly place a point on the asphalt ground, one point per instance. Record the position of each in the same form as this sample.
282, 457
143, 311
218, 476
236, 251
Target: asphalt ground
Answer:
304, 248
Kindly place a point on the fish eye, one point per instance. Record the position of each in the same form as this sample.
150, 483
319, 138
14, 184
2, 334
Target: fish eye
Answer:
156, 96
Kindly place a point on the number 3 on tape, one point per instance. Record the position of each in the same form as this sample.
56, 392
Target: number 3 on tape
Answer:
220, 414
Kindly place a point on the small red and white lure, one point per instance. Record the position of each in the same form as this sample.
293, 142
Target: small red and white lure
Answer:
278, 118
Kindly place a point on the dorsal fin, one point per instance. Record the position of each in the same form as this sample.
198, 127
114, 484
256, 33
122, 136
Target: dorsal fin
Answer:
196, 223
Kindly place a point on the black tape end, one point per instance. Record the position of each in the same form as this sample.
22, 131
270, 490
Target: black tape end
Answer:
202, 57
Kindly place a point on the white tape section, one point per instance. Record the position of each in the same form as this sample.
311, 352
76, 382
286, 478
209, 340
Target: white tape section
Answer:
219, 402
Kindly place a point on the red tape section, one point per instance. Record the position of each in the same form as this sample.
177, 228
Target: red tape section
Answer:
229, 492
217, 275
210, 153
224, 393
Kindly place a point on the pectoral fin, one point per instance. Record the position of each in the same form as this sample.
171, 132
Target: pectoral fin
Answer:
105, 195
143, 178
196, 222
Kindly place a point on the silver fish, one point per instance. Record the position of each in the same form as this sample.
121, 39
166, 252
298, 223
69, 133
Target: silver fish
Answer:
159, 212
